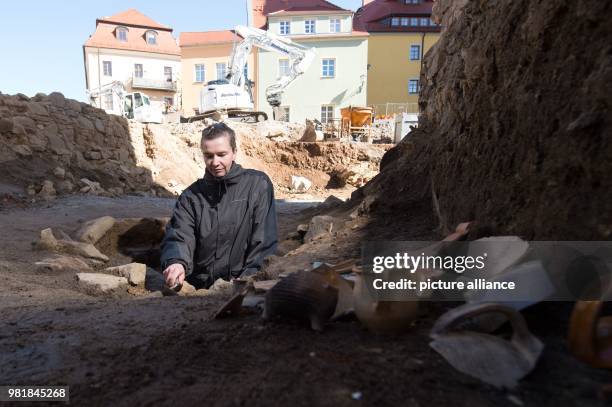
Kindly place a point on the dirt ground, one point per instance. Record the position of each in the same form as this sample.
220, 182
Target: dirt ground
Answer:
162, 351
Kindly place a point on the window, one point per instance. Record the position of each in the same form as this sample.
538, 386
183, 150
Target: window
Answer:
121, 33
415, 52
221, 70
138, 71
412, 1
107, 67
128, 104
424, 22
151, 37
431, 22
395, 21
283, 67
334, 25
246, 71
404, 21
168, 101
168, 73
328, 68
137, 100
414, 21
108, 101
199, 73
284, 114
285, 27
309, 26
327, 113
413, 86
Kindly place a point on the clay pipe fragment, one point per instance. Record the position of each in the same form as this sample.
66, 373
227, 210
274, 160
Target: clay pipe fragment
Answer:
460, 231
233, 306
487, 357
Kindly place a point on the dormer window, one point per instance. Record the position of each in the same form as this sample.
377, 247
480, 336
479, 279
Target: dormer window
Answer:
285, 28
309, 26
121, 33
334, 25
410, 21
151, 37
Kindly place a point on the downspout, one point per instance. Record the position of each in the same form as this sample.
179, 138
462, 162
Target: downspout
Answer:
99, 82
249, 13
422, 49
421, 69
86, 68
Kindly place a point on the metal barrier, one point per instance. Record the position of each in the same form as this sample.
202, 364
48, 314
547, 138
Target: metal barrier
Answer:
389, 109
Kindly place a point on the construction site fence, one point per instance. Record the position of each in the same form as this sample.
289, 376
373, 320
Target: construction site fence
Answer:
389, 109
315, 111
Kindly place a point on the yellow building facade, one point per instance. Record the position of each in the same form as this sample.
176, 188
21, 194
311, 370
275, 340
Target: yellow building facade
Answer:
401, 32
394, 64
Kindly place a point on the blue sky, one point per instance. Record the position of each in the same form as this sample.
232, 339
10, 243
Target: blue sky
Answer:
41, 48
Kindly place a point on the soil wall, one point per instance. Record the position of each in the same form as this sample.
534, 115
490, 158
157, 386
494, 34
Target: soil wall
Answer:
516, 123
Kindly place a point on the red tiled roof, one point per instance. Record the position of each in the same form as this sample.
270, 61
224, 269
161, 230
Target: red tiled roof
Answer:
263, 8
105, 37
207, 37
369, 17
133, 17
298, 12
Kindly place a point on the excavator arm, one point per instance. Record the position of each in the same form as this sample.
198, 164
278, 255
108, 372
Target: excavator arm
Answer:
300, 58
115, 87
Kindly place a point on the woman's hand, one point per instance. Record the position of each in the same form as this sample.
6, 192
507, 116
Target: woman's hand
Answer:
174, 275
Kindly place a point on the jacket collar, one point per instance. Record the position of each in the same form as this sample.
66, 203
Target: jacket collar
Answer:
231, 177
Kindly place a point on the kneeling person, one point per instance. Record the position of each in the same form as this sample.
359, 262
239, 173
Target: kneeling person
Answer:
224, 224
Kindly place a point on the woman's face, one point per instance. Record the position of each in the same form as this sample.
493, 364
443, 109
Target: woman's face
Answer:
218, 155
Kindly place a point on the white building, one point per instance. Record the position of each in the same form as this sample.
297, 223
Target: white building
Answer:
142, 54
338, 75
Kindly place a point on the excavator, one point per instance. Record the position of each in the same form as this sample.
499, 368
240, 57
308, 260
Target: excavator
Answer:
233, 95
136, 105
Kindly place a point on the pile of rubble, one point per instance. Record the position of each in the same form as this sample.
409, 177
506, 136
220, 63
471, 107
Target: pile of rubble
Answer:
130, 245
51, 146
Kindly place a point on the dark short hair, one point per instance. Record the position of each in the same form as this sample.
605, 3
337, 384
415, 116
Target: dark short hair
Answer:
219, 130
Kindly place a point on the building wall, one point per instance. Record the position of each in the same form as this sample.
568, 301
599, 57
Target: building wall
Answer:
123, 68
391, 67
309, 91
322, 25
209, 55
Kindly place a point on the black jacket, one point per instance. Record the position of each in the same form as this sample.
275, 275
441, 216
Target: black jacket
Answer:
222, 227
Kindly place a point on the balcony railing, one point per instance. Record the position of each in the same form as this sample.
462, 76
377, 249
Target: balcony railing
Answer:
149, 83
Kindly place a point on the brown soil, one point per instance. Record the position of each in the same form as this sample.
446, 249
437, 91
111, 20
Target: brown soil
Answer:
135, 350
516, 120
315, 161
515, 104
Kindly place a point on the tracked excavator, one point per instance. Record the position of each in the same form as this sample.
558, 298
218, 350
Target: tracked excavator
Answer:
136, 105
233, 95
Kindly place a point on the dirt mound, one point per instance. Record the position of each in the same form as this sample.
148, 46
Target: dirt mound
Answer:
515, 124
51, 146
279, 156
315, 161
